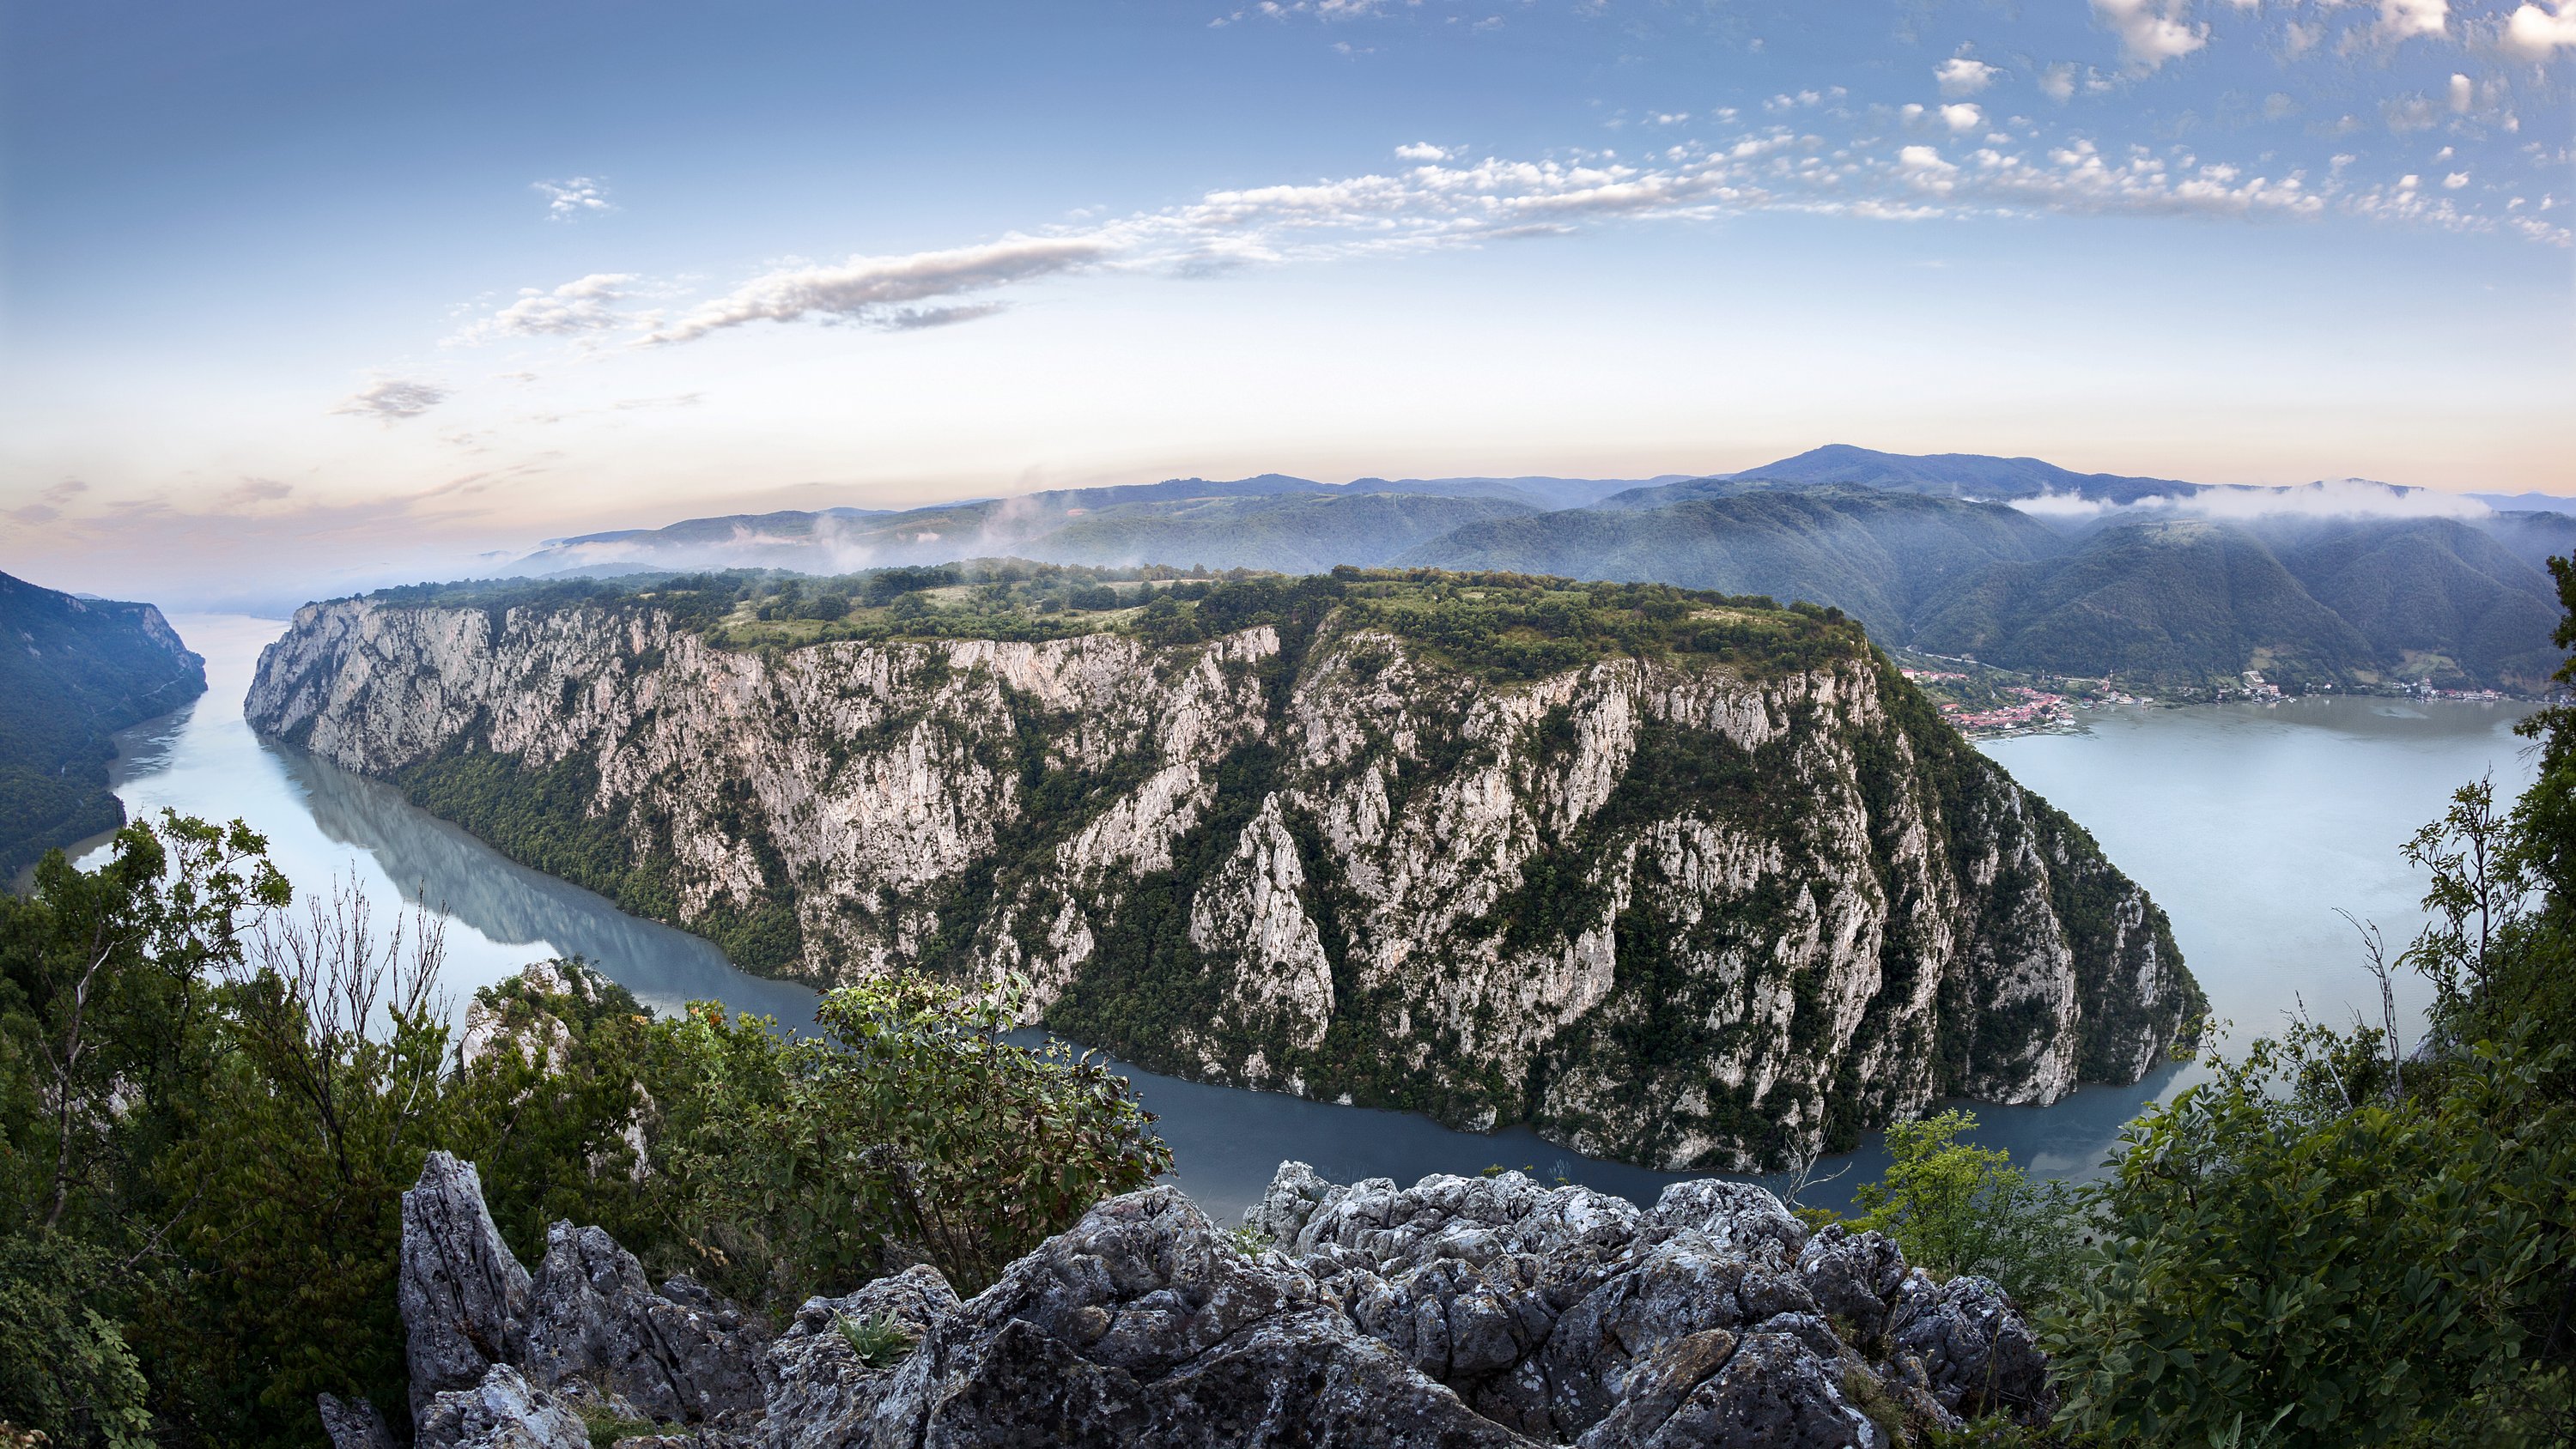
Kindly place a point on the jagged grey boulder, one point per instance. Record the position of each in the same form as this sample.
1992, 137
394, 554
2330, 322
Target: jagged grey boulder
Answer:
677, 1356
1143, 1325
1977, 1355
1737, 1216
1854, 1277
1463, 1313
503, 1411
1714, 1388
355, 1424
819, 1394
464, 1298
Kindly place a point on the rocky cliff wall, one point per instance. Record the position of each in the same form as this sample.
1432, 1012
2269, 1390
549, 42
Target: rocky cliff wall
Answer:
1676, 909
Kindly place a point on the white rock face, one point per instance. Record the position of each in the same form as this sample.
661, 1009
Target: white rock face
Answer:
1662, 910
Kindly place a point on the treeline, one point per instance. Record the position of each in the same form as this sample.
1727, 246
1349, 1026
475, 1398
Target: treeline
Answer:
210, 1104
1506, 625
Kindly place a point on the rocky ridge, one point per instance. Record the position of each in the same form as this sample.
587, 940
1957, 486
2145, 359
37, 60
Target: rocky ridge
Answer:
1697, 910
1458, 1312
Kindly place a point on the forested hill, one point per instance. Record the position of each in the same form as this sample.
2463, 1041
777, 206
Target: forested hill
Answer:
78, 671
2172, 603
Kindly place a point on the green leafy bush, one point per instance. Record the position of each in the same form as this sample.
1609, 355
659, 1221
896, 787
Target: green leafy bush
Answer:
1955, 1207
2339, 1241
210, 1106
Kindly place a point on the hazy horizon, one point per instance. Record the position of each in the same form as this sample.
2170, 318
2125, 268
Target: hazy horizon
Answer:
319, 297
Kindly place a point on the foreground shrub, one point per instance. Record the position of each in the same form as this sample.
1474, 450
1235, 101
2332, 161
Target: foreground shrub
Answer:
1955, 1207
210, 1106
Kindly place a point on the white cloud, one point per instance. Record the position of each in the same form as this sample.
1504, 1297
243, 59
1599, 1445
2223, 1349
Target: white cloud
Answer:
573, 199
588, 304
1960, 76
2406, 19
1422, 151
2058, 81
1771, 166
2154, 31
2537, 34
393, 399
2455, 181
2336, 498
2463, 94
900, 292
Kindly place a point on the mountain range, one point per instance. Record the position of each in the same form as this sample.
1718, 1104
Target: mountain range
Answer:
2015, 562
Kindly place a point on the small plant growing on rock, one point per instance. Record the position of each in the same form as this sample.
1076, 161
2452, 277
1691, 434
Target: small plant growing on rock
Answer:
880, 1339
605, 1427
1251, 1242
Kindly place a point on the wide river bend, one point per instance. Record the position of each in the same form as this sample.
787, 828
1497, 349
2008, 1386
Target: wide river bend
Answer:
2252, 825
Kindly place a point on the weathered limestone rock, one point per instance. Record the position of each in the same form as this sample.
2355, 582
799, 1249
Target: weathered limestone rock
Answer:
355, 1424
1977, 1355
674, 1356
1463, 1313
464, 1299
1436, 870
1144, 1325
503, 1411
819, 1394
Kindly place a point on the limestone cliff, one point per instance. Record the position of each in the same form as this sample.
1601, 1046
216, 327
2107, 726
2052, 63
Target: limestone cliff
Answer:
1724, 894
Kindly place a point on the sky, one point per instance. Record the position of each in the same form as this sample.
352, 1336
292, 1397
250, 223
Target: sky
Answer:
322, 295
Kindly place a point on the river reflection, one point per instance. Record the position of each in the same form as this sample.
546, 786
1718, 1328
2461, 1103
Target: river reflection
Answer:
2250, 825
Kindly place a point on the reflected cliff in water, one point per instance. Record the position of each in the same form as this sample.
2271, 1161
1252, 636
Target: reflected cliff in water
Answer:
453, 873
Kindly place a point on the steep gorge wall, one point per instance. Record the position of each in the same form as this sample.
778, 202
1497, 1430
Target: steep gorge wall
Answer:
1667, 910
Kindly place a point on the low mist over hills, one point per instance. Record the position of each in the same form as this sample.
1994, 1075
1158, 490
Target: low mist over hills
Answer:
2013, 561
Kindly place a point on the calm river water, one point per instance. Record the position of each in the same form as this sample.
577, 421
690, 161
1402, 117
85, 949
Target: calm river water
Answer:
2252, 825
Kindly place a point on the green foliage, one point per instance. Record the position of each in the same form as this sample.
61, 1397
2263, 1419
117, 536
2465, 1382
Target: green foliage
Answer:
914, 1126
2334, 1275
2340, 1242
210, 1106
65, 1370
75, 671
880, 1339
1955, 1207
603, 1428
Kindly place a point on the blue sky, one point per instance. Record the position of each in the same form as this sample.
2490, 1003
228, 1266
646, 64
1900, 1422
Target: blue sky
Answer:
355, 291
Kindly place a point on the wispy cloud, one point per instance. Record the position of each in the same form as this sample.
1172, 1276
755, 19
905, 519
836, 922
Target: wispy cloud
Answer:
907, 291
574, 199
587, 304
48, 505
392, 399
1821, 156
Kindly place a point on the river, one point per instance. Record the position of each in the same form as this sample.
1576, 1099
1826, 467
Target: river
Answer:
2251, 824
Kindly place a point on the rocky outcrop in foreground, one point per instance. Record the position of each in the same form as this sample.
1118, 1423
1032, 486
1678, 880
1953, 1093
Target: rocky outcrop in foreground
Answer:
1460, 1313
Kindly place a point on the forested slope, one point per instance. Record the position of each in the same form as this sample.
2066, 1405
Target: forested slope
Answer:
72, 672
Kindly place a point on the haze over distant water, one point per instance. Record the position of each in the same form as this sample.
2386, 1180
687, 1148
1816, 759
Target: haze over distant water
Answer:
2249, 824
